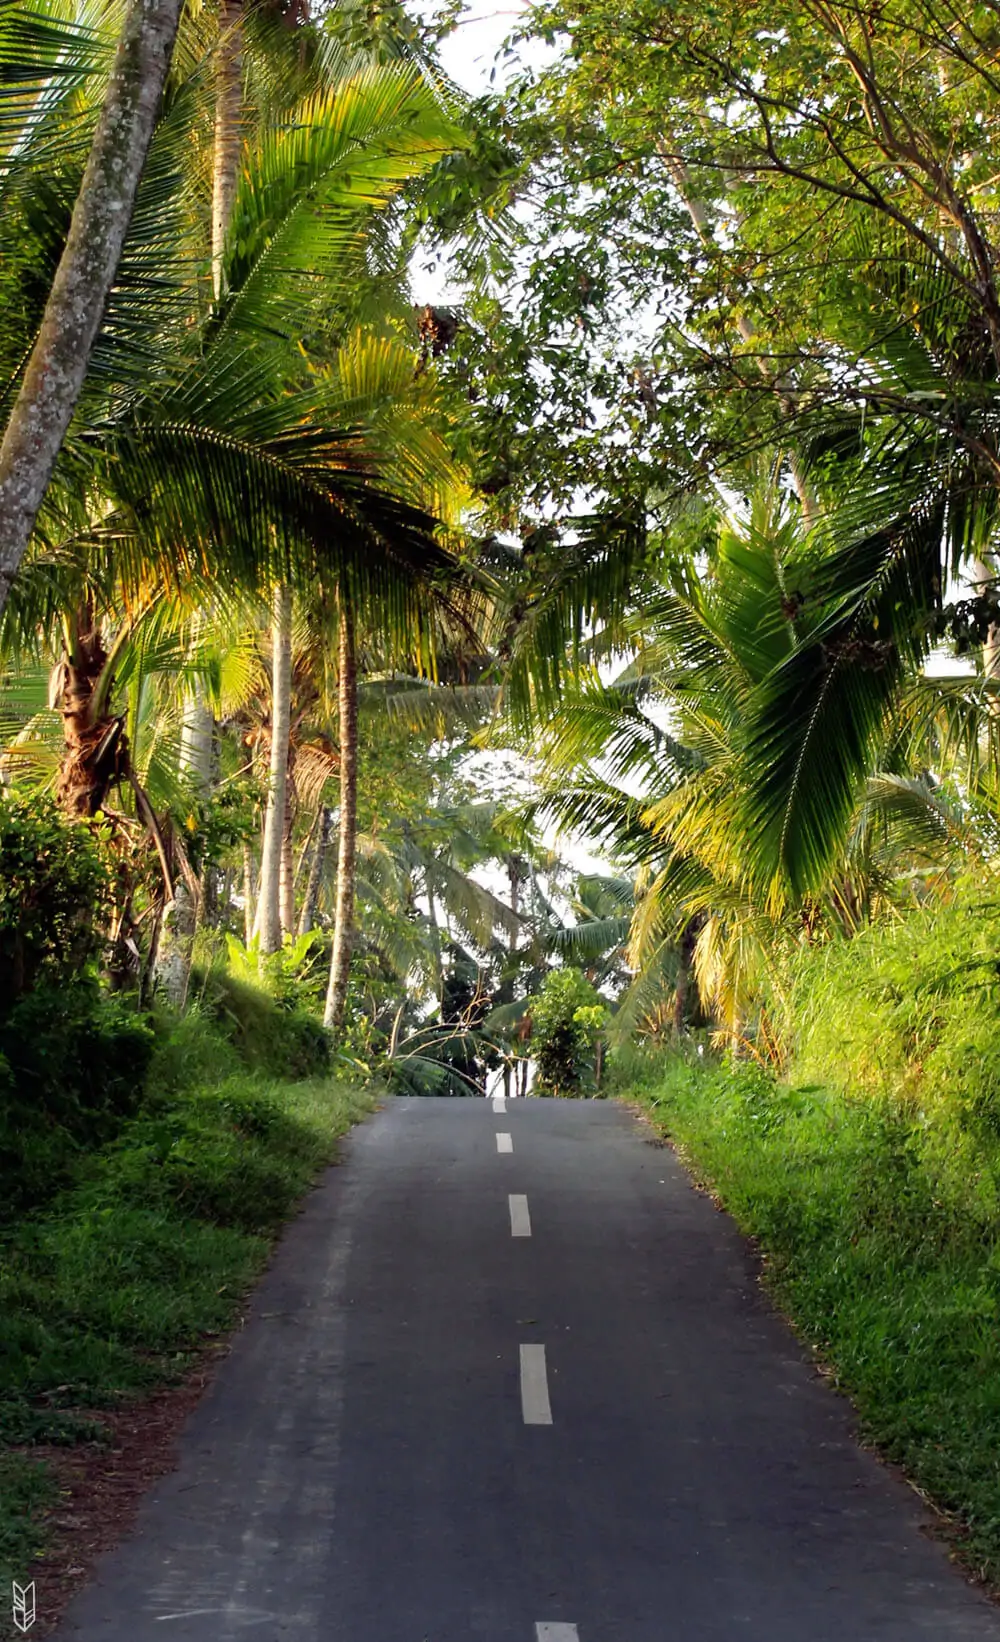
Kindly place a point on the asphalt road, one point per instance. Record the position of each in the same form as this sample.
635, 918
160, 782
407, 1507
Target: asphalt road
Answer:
381, 1460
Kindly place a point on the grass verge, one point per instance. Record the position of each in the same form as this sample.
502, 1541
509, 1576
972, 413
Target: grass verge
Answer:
108, 1291
882, 1252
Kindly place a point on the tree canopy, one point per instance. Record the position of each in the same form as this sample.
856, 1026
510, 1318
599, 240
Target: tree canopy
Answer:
688, 504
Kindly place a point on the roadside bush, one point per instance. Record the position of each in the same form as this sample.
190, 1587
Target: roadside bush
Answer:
268, 1035
73, 1063
76, 1062
870, 1176
54, 884
567, 1018
907, 1011
231, 1155
107, 1291
156, 1241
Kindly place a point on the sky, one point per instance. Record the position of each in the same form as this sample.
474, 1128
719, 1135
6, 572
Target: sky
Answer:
469, 54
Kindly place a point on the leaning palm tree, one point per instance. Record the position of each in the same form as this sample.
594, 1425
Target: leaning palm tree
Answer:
34, 53
238, 453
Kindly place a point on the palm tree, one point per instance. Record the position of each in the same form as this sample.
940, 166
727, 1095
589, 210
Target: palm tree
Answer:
200, 472
53, 376
343, 936
712, 893
268, 926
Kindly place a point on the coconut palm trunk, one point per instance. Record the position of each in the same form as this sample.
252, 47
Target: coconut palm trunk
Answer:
198, 740
198, 733
56, 369
310, 903
94, 745
343, 936
268, 922
286, 895
228, 138
982, 576
435, 941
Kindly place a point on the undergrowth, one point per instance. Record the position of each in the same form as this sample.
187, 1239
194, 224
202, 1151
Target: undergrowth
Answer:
879, 1222
162, 1217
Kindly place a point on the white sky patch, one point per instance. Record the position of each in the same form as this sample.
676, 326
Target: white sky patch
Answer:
470, 55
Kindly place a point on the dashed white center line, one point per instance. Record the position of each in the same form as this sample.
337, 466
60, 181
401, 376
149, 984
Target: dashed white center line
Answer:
520, 1220
548, 1630
535, 1388
499, 1103
505, 1143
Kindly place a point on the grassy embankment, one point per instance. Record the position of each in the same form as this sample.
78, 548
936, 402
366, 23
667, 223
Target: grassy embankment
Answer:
870, 1176
117, 1259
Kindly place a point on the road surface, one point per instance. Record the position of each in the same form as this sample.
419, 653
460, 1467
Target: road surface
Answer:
511, 1378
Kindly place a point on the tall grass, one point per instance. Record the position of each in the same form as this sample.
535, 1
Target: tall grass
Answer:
870, 1176
108, 1287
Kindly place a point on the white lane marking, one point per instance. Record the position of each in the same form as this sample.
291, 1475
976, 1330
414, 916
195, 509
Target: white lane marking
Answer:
188, 1613
191, 1613
552, 1631
499, 1103
505, 1143
520, 1219
534, 1387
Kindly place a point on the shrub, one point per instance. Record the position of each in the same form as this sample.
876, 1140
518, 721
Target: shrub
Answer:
908, 1013
54, 883
566, 1021
72, 1067
880, 1225
268, 1035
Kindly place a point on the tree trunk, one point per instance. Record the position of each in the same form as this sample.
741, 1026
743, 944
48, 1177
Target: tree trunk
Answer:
224, 899
435, 941
197, 761
287, 895
95, 748
267, 927
982, 576
307, 851
343, 935
172, 963
248, 918
228, 134
310, 904
57, 367
198, 733
198, 740
685, 971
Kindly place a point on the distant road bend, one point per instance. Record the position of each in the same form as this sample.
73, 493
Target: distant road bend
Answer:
511, 1378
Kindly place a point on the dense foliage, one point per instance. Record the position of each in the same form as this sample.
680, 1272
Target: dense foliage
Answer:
567, 1018
54, 883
